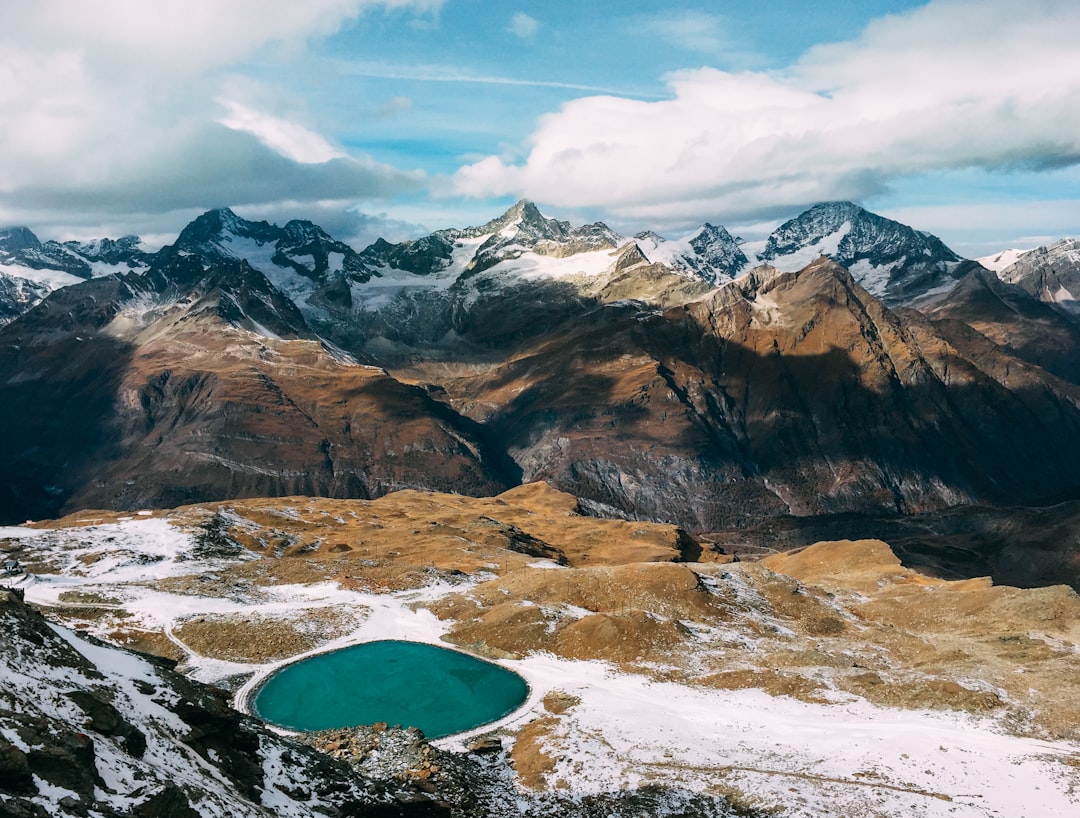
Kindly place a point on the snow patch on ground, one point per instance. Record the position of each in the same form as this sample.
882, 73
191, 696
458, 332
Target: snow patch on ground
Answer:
844, 758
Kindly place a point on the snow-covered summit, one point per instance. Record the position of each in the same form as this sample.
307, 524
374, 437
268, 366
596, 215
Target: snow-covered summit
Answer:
891, 260
1051, 274
710, 253
30, 269
521, 230
997, 262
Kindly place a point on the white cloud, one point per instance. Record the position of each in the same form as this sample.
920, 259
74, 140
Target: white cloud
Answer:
523, 26
692, 30
120, 97
954, 84
393, 107
290, 139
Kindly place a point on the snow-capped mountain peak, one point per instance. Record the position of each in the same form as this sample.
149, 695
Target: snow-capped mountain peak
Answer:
890, 259
709, 253
30, 269
1002, 260
1051, 274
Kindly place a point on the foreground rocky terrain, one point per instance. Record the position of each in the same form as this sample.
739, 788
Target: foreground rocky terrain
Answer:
87, 729
666, 678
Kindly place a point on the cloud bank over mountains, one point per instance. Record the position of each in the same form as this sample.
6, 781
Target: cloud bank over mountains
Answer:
130, 108
123, 116
955, 84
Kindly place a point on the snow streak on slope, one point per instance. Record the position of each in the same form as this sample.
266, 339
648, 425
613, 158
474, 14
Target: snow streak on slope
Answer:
88, 729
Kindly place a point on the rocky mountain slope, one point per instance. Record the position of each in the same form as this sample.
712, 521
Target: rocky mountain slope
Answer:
240, 363
191, 382
1010, 319
780, 393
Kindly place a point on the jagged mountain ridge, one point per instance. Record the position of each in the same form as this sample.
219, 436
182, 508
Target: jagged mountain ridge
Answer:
321, 273
31, 269
649, 393
710, 253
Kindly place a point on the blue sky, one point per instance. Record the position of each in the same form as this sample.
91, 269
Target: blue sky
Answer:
961, 117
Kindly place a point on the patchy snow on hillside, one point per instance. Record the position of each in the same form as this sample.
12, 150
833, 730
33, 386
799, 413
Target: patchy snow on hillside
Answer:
846, 757
828, 246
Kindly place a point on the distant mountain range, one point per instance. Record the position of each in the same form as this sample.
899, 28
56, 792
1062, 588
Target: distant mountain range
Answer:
847, 364
892, 261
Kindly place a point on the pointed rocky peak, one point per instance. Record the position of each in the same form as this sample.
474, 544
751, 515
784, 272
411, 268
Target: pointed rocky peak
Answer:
16, 239
222, 224
1051, 274
718, 249
891, 260
302, 230
630, 256
523, 212
525, 219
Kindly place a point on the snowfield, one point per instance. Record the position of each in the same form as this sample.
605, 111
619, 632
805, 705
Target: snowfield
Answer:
846, 758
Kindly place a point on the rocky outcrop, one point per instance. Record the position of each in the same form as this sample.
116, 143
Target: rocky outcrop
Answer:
91, 729
1050, 274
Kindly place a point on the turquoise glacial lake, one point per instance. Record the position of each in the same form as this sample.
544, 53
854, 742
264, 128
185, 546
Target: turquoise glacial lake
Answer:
408, 683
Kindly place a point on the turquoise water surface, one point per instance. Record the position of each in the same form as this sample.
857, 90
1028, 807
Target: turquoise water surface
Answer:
408, 683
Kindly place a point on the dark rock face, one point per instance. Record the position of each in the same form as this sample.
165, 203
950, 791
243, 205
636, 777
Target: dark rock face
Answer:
18, 239
17, 295
423, 256
717, 256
